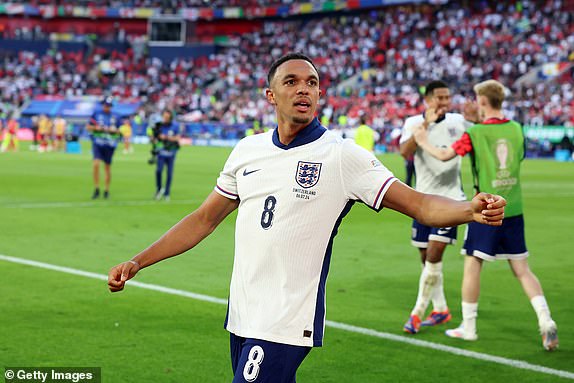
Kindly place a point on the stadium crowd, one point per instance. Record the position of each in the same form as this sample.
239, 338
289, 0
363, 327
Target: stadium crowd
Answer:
372, 63
162, 3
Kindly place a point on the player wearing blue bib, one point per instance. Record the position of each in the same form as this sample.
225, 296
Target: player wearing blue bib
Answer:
292, 187
105, 135
168, 145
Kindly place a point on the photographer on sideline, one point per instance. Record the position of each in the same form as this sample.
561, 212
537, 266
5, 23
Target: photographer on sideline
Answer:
167, 135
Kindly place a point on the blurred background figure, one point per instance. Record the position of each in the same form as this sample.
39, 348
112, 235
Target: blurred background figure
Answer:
365, 136
410, 169
10, 141
60, 128
34, 128
45, 133
105, 138
126, 132
168, 137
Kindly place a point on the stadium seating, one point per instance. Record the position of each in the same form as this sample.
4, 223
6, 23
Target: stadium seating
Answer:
371, 62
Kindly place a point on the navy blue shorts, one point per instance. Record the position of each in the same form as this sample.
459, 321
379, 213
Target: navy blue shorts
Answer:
496, 242
103, 153
259, 361
422, 234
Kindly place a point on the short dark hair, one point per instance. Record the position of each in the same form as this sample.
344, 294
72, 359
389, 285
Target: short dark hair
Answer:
285, 58
166, 110
431, 86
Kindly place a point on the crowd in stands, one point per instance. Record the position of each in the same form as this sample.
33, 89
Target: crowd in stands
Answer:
371, 63
162, 3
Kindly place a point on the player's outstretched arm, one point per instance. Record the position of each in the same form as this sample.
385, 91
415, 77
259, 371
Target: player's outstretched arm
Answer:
183, 236
443, 154
436, 211
408, 148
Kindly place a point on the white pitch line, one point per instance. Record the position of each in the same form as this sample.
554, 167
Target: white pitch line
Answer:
341, 326
59, 205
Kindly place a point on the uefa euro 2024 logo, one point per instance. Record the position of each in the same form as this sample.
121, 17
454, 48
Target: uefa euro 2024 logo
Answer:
503, 152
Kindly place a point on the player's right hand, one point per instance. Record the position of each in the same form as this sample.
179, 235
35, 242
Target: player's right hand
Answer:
433, 114
120, 274
488, 209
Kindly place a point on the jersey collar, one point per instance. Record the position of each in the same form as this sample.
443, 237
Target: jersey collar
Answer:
494, 120
309, 134
440, 119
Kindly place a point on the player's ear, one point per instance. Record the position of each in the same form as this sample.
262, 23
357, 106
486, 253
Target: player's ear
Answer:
270, 96
320, 95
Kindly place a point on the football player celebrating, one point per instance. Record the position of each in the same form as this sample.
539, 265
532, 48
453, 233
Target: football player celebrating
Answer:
292, 186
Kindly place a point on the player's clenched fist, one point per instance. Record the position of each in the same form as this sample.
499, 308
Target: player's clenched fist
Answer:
120, 274
488, 208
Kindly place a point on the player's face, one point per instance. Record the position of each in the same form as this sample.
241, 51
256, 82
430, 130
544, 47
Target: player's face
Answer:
481, 102
166, 117
441, 97
295, 92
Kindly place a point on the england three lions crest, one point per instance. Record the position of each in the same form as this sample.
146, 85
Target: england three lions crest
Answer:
308, 173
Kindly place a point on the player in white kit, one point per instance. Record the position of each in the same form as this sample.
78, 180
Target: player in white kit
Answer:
434, 177
292, 187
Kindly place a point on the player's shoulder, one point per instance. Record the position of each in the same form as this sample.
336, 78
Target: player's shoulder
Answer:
330, 136
412, 120
255, 140
454, 117
349, 148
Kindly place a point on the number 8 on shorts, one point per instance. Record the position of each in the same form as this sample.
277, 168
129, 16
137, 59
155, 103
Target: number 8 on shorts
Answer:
251, 369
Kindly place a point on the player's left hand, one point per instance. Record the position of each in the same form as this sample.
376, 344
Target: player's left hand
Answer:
120, 274
488, 209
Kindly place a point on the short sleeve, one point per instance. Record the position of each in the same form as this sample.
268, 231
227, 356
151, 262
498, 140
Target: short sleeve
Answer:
407, 130
365, 178
227, 181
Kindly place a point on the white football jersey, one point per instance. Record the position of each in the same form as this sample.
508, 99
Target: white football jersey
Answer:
434, 176
292, 200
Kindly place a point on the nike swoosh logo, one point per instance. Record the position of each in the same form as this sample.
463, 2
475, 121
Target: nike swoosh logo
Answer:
246, 173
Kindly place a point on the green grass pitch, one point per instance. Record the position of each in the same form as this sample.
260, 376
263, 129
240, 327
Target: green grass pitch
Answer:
49, 318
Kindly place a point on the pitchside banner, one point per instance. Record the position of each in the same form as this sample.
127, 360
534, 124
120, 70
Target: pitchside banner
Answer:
553, 134
80, 108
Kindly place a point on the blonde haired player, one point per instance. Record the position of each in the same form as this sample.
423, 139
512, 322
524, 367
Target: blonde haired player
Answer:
497, 149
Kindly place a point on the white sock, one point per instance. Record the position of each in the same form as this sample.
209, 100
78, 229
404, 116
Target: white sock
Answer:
469, 314
438, 298
427, 282
542, 311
